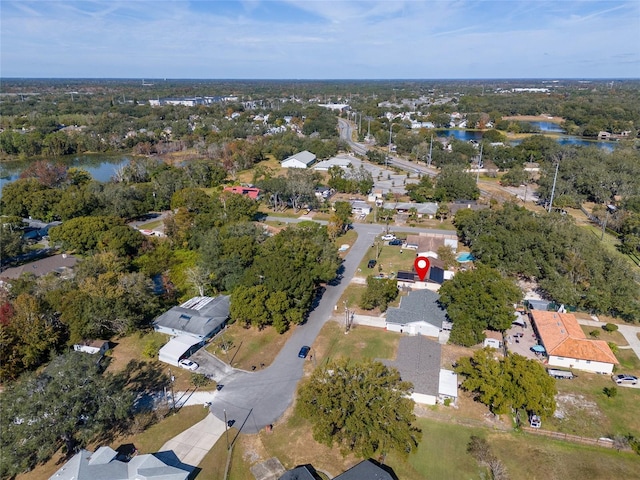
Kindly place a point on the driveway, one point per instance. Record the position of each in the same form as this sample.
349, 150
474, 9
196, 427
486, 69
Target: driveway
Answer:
629, 332
193, 444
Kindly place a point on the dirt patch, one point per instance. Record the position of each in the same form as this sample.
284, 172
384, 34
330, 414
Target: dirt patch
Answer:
451, 354
568, 403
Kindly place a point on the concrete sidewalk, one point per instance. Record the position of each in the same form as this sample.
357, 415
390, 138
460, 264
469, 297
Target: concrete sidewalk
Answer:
193, 444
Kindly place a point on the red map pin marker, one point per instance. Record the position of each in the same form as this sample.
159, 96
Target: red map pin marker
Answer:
421, 264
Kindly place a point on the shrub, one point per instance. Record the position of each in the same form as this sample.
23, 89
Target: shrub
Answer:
610, 327
610, 391
594, 333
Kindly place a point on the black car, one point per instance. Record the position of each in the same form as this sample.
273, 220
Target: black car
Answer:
371, 264
304, 351
395, 241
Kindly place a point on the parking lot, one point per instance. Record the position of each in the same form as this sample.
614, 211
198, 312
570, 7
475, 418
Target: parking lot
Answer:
520, 339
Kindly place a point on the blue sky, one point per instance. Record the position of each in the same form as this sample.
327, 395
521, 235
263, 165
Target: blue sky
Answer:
331, 39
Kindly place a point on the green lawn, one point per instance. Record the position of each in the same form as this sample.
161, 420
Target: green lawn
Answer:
590, 413
360, 343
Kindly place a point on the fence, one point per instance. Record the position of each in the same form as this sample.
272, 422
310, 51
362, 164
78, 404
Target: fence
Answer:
600, 442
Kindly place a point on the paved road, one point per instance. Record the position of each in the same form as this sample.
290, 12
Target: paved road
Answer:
254, 400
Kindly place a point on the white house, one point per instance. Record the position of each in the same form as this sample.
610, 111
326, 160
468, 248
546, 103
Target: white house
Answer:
567, 346
418, 314
358, 207
418, 361
299, 160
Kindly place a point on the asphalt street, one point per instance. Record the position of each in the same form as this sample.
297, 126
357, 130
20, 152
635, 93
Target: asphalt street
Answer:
253, 400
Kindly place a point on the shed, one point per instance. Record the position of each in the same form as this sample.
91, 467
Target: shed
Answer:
92, 346
492, 339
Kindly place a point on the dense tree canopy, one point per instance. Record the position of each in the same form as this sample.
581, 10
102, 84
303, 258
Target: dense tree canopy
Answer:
513, 382
69, 402
363, 408
477, 300
379, 293
568, 263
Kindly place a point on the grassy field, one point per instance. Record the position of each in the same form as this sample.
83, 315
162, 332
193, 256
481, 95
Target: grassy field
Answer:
390, 260
250, 346
361, 343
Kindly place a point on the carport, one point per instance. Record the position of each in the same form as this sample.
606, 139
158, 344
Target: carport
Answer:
177, 348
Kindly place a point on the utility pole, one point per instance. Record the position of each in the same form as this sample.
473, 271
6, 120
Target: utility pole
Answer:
173, 398
479, 163
226, 427
553, 189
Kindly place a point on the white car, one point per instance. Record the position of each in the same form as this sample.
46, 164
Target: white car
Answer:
188, 364
388, 236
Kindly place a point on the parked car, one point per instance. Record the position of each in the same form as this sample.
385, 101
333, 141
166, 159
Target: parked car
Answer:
395, 242
388, 236
372, 263
303, 352
623, 379
534, 421
188, 364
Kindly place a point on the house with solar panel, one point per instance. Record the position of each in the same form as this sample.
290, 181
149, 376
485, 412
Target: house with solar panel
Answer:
190, 325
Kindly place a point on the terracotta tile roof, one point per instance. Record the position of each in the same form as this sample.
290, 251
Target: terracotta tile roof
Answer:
585, 349
562, 336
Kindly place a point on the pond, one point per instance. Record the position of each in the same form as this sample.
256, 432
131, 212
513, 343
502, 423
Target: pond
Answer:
466, 135
101, 167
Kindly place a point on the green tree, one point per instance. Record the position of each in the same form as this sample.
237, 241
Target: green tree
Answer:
70, 402
453, 183
513, 382
379, 292
83, 233
476, 300
364, 408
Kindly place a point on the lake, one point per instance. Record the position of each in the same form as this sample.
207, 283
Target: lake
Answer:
101, 167
466, 135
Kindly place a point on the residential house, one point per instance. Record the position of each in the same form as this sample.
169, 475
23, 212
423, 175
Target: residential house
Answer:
418, 362
427, 209
191, 325
369, 470
59, 264
300, 160
430, 242
358, 207
419, 313
106, 464
251, 192
567, 346
365, 470
434, 277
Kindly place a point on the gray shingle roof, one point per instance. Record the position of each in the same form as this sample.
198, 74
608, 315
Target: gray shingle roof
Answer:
202, 321
418, 305
102, 465
365, 470
418, 362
